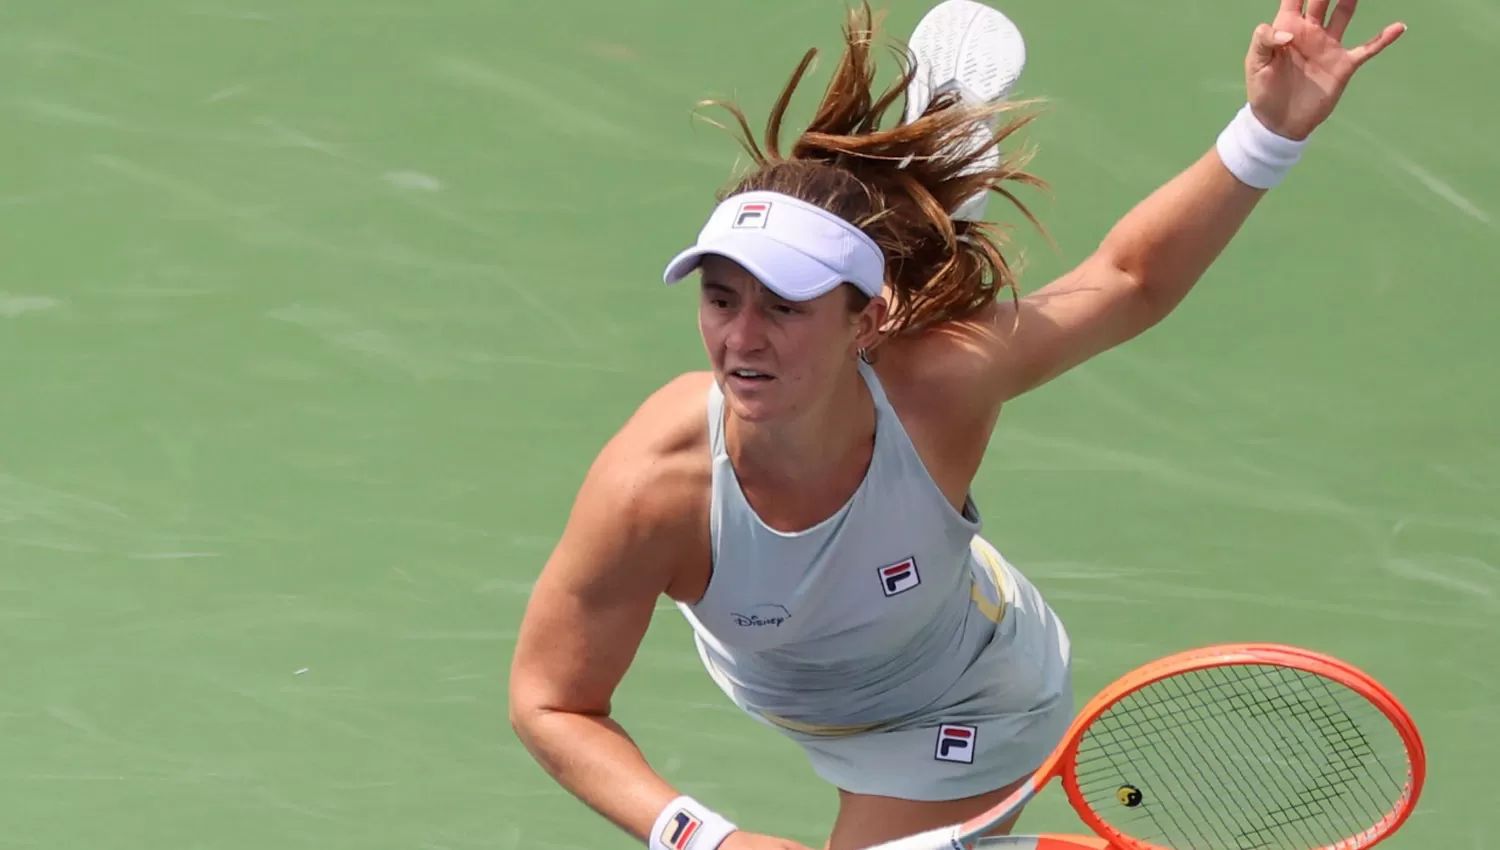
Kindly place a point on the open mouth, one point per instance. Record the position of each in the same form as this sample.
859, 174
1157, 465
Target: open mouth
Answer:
749, 375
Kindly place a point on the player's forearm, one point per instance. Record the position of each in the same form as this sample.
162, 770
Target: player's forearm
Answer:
595, 759
1167, 242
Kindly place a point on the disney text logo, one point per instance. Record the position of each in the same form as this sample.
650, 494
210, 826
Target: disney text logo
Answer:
762, 615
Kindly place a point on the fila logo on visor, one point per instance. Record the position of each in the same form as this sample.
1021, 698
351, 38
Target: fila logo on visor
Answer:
899, 578
752, 215
679, 831
956, 743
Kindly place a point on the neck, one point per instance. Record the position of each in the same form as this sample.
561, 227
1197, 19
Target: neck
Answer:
819, 438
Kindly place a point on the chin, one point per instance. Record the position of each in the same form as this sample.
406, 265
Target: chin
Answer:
752, 411
760, 405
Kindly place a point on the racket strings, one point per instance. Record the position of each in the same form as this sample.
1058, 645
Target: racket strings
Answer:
1190, 766
1245, 756
1308, 804
1158, 714
1278, 818
1328, 785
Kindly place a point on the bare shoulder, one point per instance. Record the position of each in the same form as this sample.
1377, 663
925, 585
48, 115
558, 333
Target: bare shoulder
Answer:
665, 441
934, 379
936, 372
645, 498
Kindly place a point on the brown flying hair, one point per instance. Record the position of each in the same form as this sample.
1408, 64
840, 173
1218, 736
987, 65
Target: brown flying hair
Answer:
896, 184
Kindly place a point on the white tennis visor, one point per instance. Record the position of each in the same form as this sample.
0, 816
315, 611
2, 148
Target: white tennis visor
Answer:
799, 251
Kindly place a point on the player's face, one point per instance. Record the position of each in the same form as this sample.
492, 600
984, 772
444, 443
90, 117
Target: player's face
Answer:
775, 357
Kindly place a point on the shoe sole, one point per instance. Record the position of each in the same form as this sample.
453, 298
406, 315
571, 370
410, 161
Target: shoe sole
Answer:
971, 48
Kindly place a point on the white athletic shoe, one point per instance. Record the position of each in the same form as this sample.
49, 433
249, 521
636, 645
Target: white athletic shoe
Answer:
974, 49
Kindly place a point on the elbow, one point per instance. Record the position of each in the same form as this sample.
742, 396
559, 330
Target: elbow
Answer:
1153, 285
520, 718
550, 735
1152, 304
522, 724
528, 722
1129, 273
537, 717
1142, 299
525, 709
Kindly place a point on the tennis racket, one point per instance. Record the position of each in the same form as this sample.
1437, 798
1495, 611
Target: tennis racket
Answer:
1229, 747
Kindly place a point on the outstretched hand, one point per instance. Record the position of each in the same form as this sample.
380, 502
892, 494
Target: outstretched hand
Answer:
1298, 67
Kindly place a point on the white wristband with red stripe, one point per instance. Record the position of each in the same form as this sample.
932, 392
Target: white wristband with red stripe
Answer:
686, 824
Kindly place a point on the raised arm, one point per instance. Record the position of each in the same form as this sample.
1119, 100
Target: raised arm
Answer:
1296, 71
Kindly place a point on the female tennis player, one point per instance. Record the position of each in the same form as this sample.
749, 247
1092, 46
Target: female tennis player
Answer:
805, 500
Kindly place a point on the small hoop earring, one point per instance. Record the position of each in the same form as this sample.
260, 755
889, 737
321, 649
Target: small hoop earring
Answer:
864, 354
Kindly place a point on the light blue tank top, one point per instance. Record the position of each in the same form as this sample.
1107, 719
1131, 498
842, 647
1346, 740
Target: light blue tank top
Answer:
862, 621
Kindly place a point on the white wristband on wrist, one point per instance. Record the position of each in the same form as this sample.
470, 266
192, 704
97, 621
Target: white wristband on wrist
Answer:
686, 824
1254, 154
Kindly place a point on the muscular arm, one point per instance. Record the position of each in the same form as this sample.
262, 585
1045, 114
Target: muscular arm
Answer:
588, 613
1141, 271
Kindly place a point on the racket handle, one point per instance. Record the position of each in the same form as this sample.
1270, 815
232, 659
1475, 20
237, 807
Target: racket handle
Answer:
942, 838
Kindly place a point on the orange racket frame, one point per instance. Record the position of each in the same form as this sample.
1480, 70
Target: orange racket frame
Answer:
970, 833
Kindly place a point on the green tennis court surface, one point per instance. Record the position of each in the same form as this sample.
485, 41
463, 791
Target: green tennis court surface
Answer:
313, 315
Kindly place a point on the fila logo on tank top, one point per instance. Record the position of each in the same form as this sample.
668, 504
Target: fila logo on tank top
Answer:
899, 578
